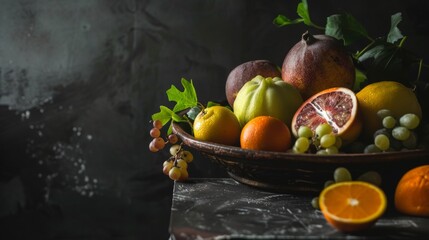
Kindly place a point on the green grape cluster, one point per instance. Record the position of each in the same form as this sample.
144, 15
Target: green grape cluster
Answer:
396, 134
342, 174
322, 141
176, 167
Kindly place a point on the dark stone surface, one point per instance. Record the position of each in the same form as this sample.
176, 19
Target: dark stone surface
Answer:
79, 81
226, 209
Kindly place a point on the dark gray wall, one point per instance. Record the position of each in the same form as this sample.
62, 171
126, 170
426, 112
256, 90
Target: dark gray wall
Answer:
79, 81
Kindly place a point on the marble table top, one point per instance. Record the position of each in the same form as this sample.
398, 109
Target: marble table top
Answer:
221, 208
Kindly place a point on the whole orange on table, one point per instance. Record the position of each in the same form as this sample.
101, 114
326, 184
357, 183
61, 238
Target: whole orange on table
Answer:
265, 133
412, 192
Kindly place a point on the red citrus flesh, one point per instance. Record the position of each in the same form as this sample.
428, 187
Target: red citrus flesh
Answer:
335, 106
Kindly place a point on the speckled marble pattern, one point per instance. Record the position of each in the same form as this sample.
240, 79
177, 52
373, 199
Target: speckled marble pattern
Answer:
226, 209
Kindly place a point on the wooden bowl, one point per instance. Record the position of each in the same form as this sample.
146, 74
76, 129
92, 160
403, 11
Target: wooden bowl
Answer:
286, 172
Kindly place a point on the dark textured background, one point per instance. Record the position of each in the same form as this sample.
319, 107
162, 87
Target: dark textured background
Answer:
80, 79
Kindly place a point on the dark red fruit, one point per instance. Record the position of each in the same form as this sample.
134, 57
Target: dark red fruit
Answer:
317, 63
246, 72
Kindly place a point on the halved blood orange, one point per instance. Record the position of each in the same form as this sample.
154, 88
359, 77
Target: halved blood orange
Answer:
336, 106
352, 206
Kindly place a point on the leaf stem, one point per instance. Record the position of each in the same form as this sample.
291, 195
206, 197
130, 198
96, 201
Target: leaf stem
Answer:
370, 38
316, 26
360, 53
391, 58
424, 64
420, 69
200, 105
189, 122
402, 41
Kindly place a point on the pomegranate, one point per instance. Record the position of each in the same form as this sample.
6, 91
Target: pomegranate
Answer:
317, 63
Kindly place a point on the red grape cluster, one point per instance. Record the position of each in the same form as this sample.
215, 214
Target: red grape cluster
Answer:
158, 143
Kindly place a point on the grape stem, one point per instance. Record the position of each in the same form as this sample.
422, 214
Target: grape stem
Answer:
176, 155
189, 122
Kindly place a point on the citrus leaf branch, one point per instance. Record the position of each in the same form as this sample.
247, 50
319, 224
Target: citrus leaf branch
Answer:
302, 11
282, 20
345, 27
186, 99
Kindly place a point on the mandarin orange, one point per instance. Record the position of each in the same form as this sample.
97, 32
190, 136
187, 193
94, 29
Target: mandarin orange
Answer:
412, 192
265, 133
217, 124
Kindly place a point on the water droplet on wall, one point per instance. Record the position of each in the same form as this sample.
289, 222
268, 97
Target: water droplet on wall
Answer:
67, 164
25, 115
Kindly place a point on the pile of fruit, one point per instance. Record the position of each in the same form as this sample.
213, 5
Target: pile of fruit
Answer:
312, 104
300, 113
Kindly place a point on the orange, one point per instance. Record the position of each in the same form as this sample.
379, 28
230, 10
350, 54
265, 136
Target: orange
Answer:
336, 106
385, 95
352, 206
412, 192
217, 124
265, 133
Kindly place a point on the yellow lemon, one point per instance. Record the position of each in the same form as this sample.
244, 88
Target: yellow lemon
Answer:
385, 95
217, 124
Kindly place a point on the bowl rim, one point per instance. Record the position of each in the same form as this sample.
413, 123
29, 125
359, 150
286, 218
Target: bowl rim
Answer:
238, 154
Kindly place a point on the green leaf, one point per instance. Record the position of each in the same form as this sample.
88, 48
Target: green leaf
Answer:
193, 113
165, 115
345, 27
389, 62
302, 11
394, 33
282, 20
211, 104
386, 58
372, 52
360, 78
185, 99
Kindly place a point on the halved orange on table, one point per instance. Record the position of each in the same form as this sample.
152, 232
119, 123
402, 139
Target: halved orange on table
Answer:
352, 206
